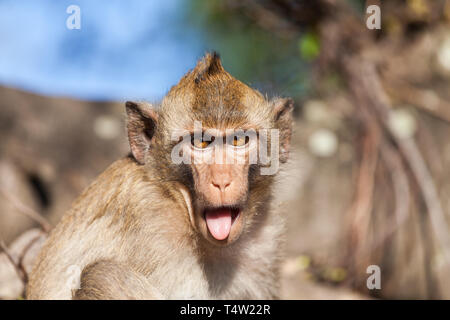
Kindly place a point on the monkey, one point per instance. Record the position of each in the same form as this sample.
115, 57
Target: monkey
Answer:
154, 227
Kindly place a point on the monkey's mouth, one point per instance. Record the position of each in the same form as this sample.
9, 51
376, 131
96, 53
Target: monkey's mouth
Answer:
220, 220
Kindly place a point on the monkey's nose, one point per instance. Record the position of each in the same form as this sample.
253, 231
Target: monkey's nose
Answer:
221, 176
221, 184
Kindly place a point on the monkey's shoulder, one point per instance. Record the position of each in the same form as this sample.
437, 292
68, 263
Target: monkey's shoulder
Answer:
123, 192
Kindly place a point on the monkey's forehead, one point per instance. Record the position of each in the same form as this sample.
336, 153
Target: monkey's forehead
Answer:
220, 115
211, 119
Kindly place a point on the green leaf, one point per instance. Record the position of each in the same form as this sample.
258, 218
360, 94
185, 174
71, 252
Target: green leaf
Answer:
309, 46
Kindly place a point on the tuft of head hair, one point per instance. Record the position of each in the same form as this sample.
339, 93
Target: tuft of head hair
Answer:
208, 93
207, 67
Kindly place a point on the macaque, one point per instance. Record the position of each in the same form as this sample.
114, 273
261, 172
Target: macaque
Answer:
192, 224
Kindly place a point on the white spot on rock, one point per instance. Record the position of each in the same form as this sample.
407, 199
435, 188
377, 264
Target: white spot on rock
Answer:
443, 54
323, 143
107, 127
316, 111
402, 123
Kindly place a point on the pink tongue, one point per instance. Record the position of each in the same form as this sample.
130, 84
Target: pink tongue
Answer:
219, 223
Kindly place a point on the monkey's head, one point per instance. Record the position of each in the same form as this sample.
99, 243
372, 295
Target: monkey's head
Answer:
220, 140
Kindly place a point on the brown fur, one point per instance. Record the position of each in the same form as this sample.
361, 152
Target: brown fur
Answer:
134, 232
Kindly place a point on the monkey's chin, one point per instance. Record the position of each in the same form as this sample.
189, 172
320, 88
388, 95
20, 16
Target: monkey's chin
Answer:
221, 226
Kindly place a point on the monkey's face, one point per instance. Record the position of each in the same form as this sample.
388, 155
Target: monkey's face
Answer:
220, 162
226, 132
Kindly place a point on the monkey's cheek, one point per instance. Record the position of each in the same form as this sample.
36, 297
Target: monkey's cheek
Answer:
236, 228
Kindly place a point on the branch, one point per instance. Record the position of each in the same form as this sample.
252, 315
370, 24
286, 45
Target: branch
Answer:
32, 214
364, 81
19, 270
423, 99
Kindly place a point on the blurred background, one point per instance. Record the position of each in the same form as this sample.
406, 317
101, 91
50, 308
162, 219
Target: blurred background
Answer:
368, 182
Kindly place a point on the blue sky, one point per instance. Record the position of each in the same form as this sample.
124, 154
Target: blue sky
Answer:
125, 49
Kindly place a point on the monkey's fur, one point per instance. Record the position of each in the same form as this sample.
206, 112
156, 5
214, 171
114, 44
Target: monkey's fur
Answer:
131, 232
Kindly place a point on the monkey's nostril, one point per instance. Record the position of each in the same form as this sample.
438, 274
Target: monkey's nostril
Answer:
221, 186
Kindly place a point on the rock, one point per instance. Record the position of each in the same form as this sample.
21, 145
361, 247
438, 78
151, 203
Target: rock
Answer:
23, 251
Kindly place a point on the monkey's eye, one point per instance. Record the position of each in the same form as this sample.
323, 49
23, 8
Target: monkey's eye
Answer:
239, 140
200, 143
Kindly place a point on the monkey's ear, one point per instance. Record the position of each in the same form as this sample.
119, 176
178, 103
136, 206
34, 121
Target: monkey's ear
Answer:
283, 112
141, 125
